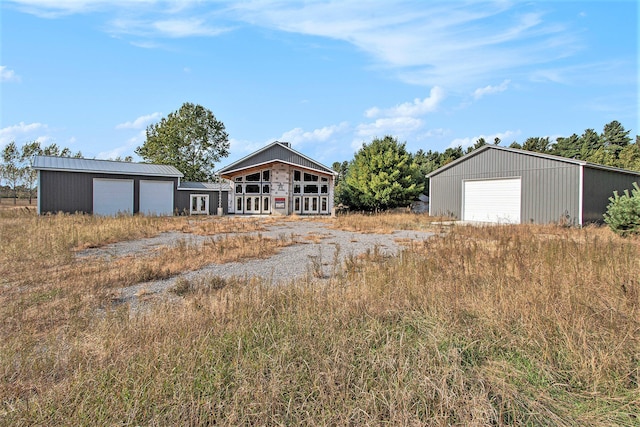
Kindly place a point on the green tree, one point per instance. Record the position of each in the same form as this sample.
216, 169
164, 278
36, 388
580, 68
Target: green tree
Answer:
27, 153
540, 145
191, 139
567, 147
615, 138
341, 169
479, 143
383, 175
12, 170
623, 213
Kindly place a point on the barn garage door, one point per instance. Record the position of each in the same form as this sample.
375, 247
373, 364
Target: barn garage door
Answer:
492, 200
112, 196
156, 197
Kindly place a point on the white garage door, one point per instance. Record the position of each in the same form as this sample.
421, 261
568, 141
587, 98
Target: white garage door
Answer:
156, 197
492, 200
112, 196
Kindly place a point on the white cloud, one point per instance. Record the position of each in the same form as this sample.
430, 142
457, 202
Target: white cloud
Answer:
7, 75
418, 107
298, 136
487, 90
450, 44
443, 43
469, 141
400, 127
186, 28
141, 122
127, 149
23, 131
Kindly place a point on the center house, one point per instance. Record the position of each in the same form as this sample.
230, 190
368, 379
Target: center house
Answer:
281, 181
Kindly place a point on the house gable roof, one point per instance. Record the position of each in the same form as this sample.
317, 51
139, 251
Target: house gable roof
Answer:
529, 153
74, 164
275, 152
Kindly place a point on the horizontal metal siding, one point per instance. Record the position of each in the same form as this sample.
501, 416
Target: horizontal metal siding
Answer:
549, 187
278, 152
73, 191
599, 185
183, 201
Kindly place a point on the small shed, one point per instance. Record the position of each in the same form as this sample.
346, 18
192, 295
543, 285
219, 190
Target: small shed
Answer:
104, 187
506, 185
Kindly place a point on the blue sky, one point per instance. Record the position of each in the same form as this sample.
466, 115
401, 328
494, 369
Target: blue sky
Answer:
326, 76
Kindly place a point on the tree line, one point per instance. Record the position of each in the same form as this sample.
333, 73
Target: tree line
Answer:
16, 169
384, 175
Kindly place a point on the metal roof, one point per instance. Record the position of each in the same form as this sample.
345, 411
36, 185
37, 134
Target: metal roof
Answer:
205, 186
74, 164
530, 153
317, 166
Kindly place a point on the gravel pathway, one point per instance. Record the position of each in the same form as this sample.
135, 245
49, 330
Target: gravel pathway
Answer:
291, 262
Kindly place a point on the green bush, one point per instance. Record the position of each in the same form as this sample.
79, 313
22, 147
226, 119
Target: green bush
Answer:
623, 213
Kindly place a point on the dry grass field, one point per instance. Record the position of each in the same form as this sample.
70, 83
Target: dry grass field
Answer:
509, 325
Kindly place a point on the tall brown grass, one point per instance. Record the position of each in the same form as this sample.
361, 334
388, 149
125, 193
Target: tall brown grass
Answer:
513, 325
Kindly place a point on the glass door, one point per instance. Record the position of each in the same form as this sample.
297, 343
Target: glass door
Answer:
199, 204
252, 204
310, 204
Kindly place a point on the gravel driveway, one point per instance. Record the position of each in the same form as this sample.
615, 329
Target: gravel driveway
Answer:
291, 262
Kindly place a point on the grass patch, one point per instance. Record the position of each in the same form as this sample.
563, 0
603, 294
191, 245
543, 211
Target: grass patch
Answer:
511, 325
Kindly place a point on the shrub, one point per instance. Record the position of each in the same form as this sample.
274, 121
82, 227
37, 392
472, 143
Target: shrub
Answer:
623, 213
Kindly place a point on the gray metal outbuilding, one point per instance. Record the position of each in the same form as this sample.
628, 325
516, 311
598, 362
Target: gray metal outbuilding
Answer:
105, 187
507, 185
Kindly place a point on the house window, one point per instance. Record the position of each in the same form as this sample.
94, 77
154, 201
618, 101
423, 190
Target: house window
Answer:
238, 188
252, 188
265, 188
254, 177
310, 177
238, 179
310, 189
265, 175
296, 189
324, 204
324, 188
296, 176
324, 179
239, 204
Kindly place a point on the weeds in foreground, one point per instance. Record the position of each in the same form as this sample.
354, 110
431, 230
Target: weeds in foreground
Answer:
514, 325
384, 223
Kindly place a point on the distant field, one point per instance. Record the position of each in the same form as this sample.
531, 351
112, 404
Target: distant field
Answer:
507, 325
7, 203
